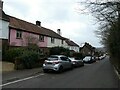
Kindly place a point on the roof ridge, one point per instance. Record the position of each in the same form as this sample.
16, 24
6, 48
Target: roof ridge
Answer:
20, 19
31, 27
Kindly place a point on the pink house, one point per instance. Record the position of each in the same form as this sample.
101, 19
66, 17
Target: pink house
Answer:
22, 38
21, 33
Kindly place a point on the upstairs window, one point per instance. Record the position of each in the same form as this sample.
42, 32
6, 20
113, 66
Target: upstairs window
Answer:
41, 38
19, 34
52, 40
62, 42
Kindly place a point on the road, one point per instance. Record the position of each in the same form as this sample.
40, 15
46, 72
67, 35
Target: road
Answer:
97, 75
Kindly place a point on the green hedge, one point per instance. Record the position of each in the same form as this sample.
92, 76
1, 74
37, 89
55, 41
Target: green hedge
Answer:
59, 51
78, 55
28, 59
12, 53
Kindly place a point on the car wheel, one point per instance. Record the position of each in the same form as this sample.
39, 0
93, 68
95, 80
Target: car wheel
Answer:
72, 66
45, 71
82, 64
60, 69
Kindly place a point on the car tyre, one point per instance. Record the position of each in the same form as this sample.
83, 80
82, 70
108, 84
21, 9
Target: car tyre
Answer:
72, 66
45, 71
60, 69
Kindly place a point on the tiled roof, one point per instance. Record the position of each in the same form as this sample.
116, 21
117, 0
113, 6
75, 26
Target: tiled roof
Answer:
30, 27
71, 43
3, 16
88, 46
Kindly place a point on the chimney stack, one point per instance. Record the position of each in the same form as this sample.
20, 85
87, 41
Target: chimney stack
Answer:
59, 31
1, 4
38, 23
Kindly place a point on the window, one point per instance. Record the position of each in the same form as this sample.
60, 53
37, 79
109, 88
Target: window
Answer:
62, 41
64, 58
41, 38
52, 58
19, 34
52, 40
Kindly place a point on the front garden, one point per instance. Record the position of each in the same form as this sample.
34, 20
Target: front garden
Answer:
32, 57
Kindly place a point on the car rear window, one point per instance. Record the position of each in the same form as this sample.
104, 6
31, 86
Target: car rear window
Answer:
53, 58
64, 58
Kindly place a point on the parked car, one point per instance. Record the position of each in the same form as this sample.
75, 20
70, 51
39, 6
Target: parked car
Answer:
102, 57
89, 59
97, 58
76, 62
57, 63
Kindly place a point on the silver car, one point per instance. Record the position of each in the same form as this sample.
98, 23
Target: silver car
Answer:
76, 62
89, 59
57, 63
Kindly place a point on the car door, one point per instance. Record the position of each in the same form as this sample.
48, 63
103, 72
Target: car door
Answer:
66, 62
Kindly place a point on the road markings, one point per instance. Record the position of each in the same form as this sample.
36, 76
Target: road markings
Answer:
21, 80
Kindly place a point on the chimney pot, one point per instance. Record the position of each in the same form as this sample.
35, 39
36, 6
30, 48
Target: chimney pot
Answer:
38, 23
59, 31
1, 4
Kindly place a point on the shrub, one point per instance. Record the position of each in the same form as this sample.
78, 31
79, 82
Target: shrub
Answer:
29, 59
78, 55
59, 50
12, 53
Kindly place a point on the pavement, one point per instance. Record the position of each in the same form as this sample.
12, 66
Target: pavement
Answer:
6, 66
10, 76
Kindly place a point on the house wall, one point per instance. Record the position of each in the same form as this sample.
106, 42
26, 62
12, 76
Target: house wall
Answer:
58, 42
47, 41
26, 38
75, 48
4, 29
86, 51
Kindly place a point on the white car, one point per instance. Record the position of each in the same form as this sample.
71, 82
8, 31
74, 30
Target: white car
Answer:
88, 59
57, 63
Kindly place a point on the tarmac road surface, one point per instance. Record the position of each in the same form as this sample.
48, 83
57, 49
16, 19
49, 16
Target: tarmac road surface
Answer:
96, 75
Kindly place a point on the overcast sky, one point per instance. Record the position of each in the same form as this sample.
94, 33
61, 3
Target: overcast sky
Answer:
56, 14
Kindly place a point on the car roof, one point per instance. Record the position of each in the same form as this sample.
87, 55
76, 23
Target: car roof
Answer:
58, 55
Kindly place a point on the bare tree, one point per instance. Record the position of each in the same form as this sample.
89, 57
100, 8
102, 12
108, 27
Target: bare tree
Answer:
107, 14
30, 39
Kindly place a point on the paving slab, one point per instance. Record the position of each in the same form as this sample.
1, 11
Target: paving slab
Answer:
19, 74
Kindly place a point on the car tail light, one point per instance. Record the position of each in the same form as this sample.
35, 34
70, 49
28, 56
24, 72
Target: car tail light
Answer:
74, 61
45, 62
56, 62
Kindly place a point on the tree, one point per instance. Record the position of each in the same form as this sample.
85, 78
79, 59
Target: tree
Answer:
107, 13
30, 39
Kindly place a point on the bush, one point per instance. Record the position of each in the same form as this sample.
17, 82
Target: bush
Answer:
78, 55
12, 53
59, 50
29, 59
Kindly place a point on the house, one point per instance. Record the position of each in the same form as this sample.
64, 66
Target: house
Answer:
20, 33
87, 49
4, 27
72, 45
